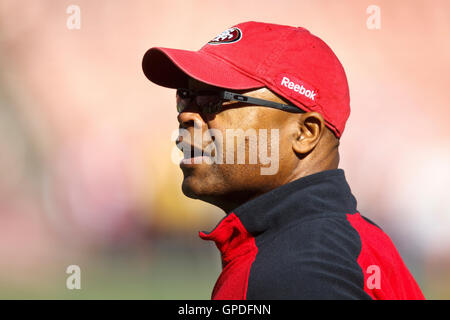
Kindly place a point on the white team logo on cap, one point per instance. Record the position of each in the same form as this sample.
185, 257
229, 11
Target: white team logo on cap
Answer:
230, 35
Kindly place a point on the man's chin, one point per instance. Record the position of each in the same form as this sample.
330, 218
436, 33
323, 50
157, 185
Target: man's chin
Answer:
188, 190
199, 188
195, 180
193, 187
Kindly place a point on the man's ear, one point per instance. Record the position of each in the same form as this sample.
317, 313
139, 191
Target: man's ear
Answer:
310, 129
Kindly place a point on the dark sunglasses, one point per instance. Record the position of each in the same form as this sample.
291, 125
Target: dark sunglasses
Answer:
210, 102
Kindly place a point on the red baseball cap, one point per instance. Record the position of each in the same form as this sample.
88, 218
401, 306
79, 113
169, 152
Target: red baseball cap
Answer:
288, 60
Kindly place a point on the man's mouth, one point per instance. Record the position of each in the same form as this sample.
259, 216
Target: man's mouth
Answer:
195, 156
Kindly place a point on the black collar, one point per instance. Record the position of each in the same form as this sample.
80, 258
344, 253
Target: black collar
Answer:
322, 192
264, 216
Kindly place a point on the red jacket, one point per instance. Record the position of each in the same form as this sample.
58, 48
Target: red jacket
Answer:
307, 240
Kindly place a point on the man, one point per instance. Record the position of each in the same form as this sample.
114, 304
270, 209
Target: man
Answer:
293, 232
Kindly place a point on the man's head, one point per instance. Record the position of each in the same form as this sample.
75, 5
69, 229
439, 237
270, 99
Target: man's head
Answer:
286, 145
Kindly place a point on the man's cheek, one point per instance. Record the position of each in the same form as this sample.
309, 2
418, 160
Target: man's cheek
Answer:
214, 148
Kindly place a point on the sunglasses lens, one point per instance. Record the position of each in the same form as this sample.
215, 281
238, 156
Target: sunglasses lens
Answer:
209, 103
183, 99
181, 105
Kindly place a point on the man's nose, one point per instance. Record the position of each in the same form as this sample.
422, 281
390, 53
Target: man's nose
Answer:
188, 119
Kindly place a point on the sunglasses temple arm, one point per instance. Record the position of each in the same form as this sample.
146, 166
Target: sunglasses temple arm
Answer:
238, 97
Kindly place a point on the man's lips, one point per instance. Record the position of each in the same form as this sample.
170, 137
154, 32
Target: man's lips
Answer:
195, 160
195, 156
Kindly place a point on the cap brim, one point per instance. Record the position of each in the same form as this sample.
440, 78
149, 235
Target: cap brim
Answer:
172, 68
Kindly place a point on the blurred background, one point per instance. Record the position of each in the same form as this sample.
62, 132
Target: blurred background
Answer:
85, 140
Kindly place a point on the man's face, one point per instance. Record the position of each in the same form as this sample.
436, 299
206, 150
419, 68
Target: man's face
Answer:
225, 179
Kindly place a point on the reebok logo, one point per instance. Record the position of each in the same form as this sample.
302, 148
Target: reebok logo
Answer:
311, 94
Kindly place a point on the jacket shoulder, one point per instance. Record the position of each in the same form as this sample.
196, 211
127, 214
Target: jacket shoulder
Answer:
312, 258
